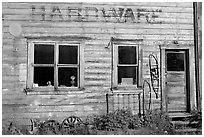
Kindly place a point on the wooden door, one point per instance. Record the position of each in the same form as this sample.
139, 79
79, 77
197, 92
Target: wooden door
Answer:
176, 81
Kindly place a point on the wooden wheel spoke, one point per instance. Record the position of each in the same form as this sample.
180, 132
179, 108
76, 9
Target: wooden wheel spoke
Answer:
52, 124
71, 122
65, 125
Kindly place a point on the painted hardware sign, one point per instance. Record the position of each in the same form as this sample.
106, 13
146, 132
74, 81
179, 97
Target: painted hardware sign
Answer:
93, 14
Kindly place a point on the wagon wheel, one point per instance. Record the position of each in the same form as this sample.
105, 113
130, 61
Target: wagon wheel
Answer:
154, 73
69, 124
51, 125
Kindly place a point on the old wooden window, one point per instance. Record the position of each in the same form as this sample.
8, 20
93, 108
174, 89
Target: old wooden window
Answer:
175, 61
55, 65
126, 65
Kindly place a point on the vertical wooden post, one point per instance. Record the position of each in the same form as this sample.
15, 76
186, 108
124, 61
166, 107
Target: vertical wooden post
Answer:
162, 80
140, 105
197, 8
30, 68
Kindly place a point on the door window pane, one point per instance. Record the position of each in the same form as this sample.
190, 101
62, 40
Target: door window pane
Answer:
67, 77
127, 75
68, 54
43, 54
175, 61
127, 55
43, 76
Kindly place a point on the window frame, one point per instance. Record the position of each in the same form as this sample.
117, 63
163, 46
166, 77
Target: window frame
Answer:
115, 64
184, 61
56, 65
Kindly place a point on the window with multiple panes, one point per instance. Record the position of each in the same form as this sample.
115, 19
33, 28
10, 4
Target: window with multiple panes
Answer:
55, 64
126, 65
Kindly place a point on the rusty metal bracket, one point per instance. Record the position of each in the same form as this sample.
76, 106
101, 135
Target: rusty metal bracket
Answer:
154, 73
145, 93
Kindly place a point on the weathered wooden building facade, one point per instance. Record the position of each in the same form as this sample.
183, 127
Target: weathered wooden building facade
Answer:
61, 59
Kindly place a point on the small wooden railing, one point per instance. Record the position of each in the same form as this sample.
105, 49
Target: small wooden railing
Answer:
117, 101
138, 103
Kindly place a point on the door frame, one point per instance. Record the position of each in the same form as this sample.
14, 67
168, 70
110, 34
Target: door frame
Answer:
185, 72
189, 50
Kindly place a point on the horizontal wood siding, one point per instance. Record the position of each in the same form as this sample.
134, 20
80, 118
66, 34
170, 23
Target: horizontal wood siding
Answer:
174, 22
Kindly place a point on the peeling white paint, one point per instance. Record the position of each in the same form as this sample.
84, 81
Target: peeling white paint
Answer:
22, 72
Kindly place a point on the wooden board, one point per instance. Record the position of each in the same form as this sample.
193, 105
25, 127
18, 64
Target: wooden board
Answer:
176, 24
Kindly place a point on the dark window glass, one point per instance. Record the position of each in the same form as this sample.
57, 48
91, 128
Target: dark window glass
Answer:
67, 77
43, 54
68, 54
42, 75
127, 55
175, 61
127, 75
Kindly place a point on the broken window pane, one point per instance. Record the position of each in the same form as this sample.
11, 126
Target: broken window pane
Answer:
43, 54
67, 77
42, 76
175, 61
127, 55
68, 54
127, 75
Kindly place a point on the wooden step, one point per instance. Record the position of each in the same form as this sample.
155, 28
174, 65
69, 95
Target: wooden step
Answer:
181, 124
189, 131
179, 116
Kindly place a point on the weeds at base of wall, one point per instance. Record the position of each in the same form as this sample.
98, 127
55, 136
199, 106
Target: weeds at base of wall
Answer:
120, 122
124, 122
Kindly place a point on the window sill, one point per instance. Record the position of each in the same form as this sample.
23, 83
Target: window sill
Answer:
52, 91
127, 88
